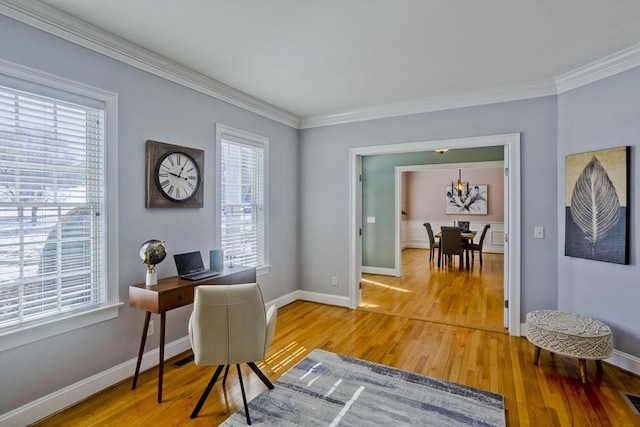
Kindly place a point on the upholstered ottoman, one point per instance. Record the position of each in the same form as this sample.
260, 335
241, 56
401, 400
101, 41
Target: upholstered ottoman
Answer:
570, 334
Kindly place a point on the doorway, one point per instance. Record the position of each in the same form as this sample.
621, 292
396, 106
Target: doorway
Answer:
511, 144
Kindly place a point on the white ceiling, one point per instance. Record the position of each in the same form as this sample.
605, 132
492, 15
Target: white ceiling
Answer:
319, 57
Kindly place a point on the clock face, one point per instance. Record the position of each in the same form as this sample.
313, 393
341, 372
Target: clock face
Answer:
177, 176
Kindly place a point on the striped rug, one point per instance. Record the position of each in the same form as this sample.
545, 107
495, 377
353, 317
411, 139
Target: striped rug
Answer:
327, 389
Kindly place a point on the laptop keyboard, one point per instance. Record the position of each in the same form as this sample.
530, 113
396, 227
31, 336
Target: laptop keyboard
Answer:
200, 275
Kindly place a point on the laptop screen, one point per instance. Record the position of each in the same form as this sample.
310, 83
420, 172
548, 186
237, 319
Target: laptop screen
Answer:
188, 263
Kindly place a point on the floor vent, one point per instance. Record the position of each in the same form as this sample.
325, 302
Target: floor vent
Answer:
633, 401
180, 363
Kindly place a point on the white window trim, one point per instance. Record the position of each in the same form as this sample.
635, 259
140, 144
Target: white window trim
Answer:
31, 333
259, 141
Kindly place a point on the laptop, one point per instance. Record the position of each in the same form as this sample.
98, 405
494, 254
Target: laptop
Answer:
190, 266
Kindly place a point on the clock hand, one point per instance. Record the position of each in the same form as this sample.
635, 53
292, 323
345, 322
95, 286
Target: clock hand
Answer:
177, 176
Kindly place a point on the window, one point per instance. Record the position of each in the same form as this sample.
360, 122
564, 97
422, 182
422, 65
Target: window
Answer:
53, 218
242, 196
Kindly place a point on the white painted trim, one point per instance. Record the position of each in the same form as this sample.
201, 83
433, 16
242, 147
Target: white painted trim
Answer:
253, 140
436, 103
110, 308
67, 27
619, 62
284, 300
49, 19
74, 393
381, 271
416, 235
513, 248
625, 361
324, 298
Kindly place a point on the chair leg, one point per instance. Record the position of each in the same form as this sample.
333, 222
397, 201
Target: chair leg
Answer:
207, 390
262, 376
244, 396
480, 258
224, 379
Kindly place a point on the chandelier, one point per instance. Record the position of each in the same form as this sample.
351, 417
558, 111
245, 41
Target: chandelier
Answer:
461, 188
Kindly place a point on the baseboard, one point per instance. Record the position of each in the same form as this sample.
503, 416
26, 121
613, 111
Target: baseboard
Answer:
619, 359
625, 361
380, 271
74, 393
324, 298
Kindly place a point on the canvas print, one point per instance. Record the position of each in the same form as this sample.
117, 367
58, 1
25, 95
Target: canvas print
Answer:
596, 205
471, 201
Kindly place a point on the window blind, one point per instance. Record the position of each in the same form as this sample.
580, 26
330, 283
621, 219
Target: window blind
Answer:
242, 202
52, 240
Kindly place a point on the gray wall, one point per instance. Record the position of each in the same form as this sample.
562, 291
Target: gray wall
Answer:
604, 114
324, 209
309, 199
149, 108
378, 195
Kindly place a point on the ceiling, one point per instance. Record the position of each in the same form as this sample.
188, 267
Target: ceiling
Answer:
321, 57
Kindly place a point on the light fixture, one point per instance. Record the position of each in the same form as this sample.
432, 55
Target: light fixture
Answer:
441, 150
461, 188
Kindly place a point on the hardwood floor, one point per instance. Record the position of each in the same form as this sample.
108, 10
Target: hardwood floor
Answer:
549, 394
447, 295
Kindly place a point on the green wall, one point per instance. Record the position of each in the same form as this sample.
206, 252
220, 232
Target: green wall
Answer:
378, 188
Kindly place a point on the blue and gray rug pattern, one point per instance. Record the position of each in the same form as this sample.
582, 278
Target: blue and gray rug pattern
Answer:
327, 389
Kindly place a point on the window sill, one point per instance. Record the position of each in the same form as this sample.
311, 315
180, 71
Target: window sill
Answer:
35, 332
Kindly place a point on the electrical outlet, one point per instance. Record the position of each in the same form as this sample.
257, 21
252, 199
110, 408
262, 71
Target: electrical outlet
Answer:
150, 330
334, 281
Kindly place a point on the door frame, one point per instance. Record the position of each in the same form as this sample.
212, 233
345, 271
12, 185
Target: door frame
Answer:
512, 218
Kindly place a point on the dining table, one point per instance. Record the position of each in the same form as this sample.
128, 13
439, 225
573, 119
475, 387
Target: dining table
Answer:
466, 237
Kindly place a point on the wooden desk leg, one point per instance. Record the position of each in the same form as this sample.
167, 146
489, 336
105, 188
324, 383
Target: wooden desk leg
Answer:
143, 341
163, 317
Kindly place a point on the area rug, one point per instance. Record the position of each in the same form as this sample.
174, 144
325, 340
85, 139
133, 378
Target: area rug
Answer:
327, 389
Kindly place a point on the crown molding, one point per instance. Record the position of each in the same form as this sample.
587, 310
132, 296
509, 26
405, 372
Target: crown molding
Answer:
51, 20
46, 18
623, 60
438, 103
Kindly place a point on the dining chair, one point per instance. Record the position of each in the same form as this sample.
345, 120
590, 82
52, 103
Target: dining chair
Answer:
478, 246
451, 243
464, 225
230, 325
433, 245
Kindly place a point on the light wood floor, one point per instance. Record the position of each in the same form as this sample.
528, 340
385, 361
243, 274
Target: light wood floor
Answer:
549, 394
447, 295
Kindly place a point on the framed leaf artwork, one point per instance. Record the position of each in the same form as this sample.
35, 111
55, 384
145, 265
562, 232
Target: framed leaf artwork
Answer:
597, 205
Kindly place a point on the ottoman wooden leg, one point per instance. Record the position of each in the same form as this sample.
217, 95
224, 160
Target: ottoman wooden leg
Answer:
536, 356
599, 366
583, 370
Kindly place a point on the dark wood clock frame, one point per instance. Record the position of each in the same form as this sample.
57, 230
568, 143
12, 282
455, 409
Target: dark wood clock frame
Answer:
154, 197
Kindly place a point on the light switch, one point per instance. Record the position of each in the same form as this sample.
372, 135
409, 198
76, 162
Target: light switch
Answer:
538, 232
371, 220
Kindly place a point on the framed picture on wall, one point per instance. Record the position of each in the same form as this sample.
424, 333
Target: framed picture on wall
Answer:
471, 200
596, 205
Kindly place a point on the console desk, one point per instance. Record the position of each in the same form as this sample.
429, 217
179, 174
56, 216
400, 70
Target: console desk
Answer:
170, 293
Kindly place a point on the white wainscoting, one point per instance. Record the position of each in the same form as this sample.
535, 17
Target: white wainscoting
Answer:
415, 235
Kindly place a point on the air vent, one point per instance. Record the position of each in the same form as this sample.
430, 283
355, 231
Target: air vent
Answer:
633, 401
180, 363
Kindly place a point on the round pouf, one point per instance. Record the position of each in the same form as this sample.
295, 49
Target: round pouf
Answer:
570, 334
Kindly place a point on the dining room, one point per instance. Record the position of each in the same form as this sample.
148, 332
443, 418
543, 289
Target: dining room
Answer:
447, 290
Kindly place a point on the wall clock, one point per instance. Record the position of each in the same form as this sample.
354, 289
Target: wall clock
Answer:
174, 176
